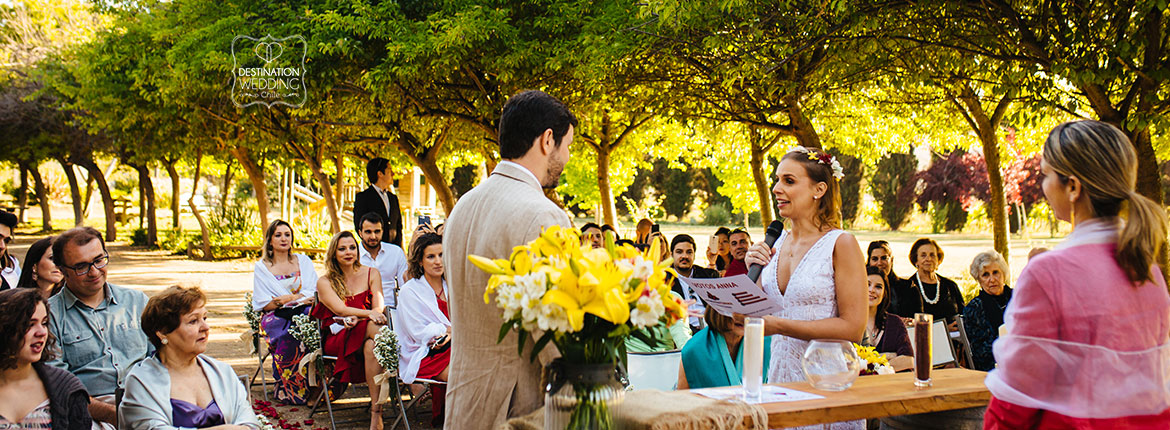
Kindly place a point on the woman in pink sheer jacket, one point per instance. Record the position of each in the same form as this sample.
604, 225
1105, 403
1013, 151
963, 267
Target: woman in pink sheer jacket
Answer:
1087, 341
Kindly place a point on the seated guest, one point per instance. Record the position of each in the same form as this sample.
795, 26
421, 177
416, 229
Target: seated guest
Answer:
660, 337
606, 228
424, 330
984, 314
385, 257
885, 331
178, 386
881, 256
33, 395
9, 267
591, 233
1088, 331
719, 250
352, 294
714, 357
739, 242
97, 322
930, 292
682, 250
642, 232
283, 286
39, 271
663, 246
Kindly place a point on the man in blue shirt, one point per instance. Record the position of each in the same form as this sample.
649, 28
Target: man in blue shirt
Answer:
97, 323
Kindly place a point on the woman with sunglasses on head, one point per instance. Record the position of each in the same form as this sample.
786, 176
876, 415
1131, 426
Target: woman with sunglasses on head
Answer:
284, 285
351, 296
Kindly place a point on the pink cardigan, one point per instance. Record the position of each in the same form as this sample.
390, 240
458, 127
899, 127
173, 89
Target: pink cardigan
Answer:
1083, 344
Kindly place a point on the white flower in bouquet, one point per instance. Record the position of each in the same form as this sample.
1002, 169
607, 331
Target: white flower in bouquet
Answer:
553, 318
647, 310
306, 329
885, 370
386, 349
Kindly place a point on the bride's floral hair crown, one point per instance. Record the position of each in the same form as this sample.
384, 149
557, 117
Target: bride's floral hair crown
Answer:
822, 157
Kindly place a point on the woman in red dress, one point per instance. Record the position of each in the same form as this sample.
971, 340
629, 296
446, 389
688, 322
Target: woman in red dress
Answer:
347, 298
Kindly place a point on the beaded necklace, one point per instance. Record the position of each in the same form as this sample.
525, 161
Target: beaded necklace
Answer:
922, 290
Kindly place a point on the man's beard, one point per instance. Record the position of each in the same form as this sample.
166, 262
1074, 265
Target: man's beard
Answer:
552, 176
372, 243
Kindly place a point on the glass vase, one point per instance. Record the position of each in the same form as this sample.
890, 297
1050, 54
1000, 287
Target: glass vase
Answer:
831, 365
581, 396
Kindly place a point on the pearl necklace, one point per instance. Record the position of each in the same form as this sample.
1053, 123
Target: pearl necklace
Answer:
937, 290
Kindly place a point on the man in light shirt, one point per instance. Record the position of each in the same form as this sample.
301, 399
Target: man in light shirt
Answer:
386, 257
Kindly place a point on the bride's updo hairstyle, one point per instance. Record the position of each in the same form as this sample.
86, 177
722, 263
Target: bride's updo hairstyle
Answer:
1103, 159
818, 164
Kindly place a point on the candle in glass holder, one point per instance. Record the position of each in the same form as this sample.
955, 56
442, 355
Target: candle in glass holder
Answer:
753, 358
922, 358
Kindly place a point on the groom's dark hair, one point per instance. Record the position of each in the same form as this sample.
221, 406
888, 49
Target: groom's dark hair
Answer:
526, 116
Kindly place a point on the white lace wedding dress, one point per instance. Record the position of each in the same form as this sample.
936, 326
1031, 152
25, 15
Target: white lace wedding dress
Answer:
811, 295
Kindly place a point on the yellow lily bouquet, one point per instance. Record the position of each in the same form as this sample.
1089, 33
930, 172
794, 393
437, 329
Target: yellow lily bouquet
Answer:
875, 362
584, 300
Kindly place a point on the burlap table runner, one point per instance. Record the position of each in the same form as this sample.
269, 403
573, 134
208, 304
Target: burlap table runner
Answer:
669, 410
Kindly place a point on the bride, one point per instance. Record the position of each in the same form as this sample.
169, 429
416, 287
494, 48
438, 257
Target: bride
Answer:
816, 270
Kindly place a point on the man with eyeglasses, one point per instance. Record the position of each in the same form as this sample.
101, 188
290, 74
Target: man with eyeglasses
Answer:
9, 267
97, 323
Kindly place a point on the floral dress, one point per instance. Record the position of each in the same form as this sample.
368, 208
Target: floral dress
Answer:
291, 384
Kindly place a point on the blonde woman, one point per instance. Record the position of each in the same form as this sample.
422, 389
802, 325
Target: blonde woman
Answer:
351, 295
1088, 326
283, 286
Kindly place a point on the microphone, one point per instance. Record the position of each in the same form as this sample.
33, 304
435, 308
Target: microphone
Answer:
770, 236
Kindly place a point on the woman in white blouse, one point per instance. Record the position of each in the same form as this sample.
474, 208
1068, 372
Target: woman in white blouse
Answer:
424, 330
284, 285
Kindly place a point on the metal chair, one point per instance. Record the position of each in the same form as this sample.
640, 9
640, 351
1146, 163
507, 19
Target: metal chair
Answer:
326, 380
964, 343
942, 351
260, 344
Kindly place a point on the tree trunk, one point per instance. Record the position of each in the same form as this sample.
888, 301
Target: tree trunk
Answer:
256, 176
22, 193
225, 193
986, 126
326, 194
151, 209
760, 177
74, 191
802, 129
96, 174
436, 180
203, 230
339, 194
175, 191
42, 199
88, 197
604, 190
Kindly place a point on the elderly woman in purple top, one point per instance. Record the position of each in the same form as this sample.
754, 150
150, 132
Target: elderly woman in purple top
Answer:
179, 387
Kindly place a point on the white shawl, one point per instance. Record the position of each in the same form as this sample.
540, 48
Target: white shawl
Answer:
146, 404
265, 286
419, 322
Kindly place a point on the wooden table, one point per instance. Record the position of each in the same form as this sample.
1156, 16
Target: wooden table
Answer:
880, 396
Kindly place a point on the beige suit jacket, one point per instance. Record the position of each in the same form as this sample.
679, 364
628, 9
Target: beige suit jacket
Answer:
490, 382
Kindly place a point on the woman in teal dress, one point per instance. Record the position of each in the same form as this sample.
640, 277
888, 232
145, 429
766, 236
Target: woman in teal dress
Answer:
714, 356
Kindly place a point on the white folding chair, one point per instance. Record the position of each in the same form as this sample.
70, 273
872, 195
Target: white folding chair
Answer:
654, 370
942, 352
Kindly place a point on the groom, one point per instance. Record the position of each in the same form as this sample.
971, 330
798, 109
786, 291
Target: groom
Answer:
490, 382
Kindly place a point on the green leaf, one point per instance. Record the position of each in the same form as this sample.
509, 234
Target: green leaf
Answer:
540, 344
